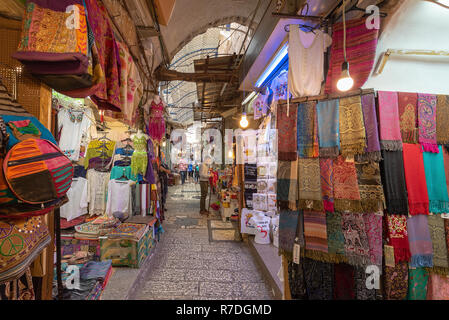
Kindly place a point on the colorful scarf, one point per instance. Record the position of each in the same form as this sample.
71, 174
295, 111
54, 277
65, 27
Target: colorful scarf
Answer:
442, 119
356, 240
288, 224
396, 282
408, 116
397, 237
390, 131
420, 242
335, 237
327, 187
438, 287
446, 166
372, 151
438, 236
319, 278
344, 282
361, 290
287, 183
370, 186
315, 232
417, 284
346, 189
309, 183
361, 44
393, 181
306, 124
286, 127
352, 129
328, 127
436, 181
296, 281
446, 231
373, 229
427, 119
415, 178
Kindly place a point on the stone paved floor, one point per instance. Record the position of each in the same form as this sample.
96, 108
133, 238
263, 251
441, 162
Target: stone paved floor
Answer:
187, 266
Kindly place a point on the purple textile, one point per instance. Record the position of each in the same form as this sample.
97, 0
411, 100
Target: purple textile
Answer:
59, 5
370, 119
149, 175
420, 241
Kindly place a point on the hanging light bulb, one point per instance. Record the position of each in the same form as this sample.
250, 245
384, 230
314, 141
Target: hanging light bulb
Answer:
345, 82
230, 154
164, 143
244, 122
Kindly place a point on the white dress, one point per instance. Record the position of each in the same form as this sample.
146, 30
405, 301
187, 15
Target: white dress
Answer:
72, 132
306, 61
119, 194
77, 205
97, 191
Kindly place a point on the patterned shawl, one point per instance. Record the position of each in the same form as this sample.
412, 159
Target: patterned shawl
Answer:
373, 229
393, 181
390, 131
420, 242
286, 128
346, 189
438, 236
352, 129
328, 127
288, 225
396, 281
344, 282
372, 152
443, 119
287, 183
415, 178
438, 287
361, 44
306, 129
397, 237
427, 119
408, 116
309, 183
319, 278
361, 290
370, 186
446, 166
436, 181
356, 240
327, 187
315, 232
335, 237
296, 281
417, 284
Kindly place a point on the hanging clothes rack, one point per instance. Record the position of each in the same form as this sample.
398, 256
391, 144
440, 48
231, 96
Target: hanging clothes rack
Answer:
331, 96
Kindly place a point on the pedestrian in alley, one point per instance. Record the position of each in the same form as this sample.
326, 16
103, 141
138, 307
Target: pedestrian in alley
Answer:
197, 173
182, 166
204, 172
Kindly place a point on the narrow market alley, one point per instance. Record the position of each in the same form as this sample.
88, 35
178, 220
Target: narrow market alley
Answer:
188, 266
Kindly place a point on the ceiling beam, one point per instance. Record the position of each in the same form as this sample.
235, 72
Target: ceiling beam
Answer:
163, 74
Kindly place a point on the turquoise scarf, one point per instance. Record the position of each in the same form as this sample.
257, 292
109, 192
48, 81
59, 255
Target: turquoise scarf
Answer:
436, 181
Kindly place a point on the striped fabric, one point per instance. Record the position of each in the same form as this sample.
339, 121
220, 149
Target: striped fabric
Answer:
8, 106
315, 231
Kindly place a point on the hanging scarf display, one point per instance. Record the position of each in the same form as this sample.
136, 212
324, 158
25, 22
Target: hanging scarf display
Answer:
395, 280
427, 118
408, 116
319, 278
442, 120
446, 166
370, 186
393, 180
335, 237
286, 127
417, 283
373, 229
446, 232
390, 131
420, 242
438, 287
327, 187
372, 151
344, 282
328, 128
361, 290
352, 129
315, 232
309, 182
415, 178
296, 281
346, 189
356, 240
287, 183
397, 237
306, 129
438, 236
288, 224
436, 181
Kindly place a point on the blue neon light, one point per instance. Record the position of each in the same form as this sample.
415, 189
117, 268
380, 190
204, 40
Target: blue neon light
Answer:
273, 65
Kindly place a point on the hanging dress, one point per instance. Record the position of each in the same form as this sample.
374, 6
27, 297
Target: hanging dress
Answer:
156, 124
139, 159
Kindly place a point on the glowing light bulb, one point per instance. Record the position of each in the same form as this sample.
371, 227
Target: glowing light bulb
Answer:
163, 143
244, 122
230, 154
345, 82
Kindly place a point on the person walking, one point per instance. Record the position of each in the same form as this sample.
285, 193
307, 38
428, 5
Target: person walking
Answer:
182, 165
197, 173
190, 170
204, 183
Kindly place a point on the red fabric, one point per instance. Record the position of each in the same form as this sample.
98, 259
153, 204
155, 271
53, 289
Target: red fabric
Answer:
344, 282
415, 179
69, 224
286, 126
408, 116
397, 237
